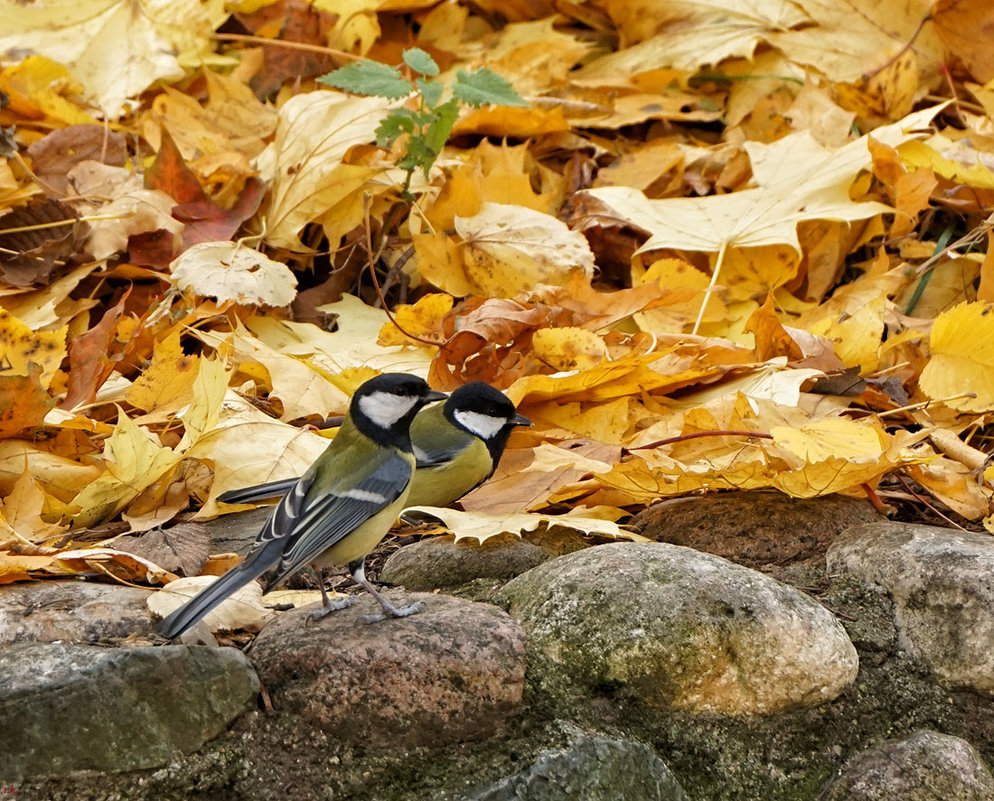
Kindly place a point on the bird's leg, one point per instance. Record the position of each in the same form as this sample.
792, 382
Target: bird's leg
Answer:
358, 570
327, 605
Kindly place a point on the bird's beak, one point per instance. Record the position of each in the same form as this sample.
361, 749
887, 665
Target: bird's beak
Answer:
434, 395
520, 420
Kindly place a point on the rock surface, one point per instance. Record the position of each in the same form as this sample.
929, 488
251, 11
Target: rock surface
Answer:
756, 528
71, 611
942, 584
439, 562
453, 672
926, 766
678, 629
76, 707
593, 768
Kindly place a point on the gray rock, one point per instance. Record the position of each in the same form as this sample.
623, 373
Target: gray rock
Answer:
678, 629
593, 768
71, 611
235, 533
926, 766
439, 562
758, 528
78, 707
942, 584
453, 672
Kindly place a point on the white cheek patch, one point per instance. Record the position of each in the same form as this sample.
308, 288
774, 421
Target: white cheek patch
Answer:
483, 425
385, 409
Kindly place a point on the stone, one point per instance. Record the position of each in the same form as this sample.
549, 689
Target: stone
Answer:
757, 528
925, 766
942, 584
678, 629
181, 548
66, 707
72, 611
236, 533
595, 768
452, 672
440, 562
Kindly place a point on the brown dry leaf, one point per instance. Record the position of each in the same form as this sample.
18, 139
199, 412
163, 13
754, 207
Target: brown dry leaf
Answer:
513, 490
959, 161
798, 180
232, 119
115, 50
508, 249
568, 348
305, 162
965, 27
772, 339
954, 485
39, 87
167, 381
130, 208
132, 461
698, 34
301, 390
494, 174
59, 476
249, 448
482, 527
849, 38
534, 56
53, 156
115, 564
232, 271
23, 401
243, 610
423, 319
20, 347
22, 510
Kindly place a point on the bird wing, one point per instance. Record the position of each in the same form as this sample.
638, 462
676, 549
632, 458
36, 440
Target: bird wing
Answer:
439, 445
315, 515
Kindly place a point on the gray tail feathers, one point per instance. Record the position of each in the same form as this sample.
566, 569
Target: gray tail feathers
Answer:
199, 605
258, 492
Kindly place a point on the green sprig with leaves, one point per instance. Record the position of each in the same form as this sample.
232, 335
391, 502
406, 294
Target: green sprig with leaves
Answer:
428, 126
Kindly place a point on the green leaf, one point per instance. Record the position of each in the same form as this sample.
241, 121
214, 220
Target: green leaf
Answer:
419, 61
484, 86
418, 156
431, 91
370, 78
437, 133
391, 127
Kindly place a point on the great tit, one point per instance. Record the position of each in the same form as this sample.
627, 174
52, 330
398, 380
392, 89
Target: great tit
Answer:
457, 445
340, 509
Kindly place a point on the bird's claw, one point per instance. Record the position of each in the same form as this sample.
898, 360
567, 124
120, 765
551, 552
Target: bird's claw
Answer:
327, 609
393, 611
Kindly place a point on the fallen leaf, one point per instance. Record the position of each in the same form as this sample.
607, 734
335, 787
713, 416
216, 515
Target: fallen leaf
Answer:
230, 271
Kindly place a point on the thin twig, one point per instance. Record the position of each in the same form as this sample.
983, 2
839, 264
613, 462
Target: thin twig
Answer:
261, 40
868, 76
924, 501
697, 435
371, 264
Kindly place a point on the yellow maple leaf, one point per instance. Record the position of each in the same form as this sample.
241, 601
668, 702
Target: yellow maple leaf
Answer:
962, 361
20, 347
167, 381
